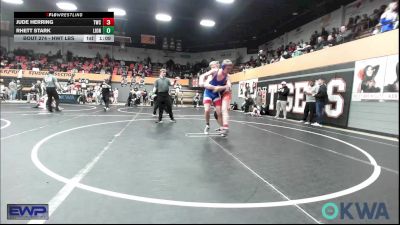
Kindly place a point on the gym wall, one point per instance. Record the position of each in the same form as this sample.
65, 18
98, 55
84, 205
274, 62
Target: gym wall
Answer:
377, 113
340, 66
123, 92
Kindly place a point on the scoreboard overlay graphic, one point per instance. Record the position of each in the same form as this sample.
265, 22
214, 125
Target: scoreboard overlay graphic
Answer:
64, 26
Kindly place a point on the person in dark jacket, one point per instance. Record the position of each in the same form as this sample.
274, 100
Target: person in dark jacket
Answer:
105, 91
321, 98
283, 92
130, 98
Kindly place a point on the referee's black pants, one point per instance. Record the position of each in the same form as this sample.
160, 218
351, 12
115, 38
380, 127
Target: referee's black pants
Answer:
309, 109
52, 93
155, 105
106, 99
164, 103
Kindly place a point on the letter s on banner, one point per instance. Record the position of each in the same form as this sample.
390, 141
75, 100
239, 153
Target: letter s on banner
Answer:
335, 107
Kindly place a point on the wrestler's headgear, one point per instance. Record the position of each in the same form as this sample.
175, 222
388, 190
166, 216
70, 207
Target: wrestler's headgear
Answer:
213, 63
225, 63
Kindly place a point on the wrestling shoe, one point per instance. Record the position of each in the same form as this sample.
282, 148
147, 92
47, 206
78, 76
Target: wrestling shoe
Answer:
224, 132
207, 129
316, 124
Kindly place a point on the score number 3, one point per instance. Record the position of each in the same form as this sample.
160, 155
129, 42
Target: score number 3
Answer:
108, 21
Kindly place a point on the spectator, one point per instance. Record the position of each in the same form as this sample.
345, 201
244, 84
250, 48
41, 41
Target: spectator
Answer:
313, 39
281, 103
138, 96
350, 24
131, 96
390, 18
365, 22
115, 93
310, 91
234, 106
2, 90
321, 98
324, 33
256, 111
377, 30
38, 89
196, 99
331, 41
20, 73
375, 17
356, 20
19, 90
248, 101
382, 10
284, 56
345, 35
264, 110
145, 96
12, 86
262, 58
298, 51
320, 44
334, 32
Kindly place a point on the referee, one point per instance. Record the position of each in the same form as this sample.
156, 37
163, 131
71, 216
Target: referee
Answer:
105, 92
161, 87
51, 85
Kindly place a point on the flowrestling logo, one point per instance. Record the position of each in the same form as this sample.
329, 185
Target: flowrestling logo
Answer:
27, 211
355, 210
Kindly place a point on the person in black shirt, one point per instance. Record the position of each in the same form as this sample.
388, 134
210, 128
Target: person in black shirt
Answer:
51, 89
324, 33
313, 39
105, 91
281, 103
321, 98
249, 101
130, 97
264, 110
263, 58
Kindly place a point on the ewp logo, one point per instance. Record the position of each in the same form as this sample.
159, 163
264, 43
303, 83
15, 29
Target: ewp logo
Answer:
374, 211
27, 212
